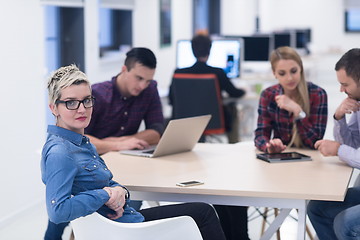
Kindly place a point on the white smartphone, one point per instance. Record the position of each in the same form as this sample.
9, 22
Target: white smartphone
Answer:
189, 183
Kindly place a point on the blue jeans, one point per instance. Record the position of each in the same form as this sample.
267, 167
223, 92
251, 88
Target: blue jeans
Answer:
337, 220
55, 231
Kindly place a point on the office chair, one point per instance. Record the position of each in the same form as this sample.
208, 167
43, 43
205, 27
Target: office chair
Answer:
198, 94
95, 227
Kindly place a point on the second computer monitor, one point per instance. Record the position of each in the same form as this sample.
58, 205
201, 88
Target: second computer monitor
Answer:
224, 53
258, 47
285, 38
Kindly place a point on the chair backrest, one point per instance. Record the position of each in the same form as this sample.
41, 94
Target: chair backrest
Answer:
95, 227
198, 94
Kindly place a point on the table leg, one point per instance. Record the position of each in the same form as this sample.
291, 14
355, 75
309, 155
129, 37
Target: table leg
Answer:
302, 222
275, 225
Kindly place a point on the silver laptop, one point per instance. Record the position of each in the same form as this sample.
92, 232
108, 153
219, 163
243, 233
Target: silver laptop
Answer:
180, 135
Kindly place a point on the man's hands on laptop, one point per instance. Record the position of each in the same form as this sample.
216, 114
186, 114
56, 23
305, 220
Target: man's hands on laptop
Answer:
128, 143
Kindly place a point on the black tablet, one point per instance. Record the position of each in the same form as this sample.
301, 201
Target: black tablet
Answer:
283, 157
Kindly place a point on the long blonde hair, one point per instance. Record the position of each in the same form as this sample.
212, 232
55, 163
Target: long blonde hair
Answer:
288, 53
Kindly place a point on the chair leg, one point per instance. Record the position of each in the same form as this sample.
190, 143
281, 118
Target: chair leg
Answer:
264, 221
309, 232
276, 210
278, 231
72, 237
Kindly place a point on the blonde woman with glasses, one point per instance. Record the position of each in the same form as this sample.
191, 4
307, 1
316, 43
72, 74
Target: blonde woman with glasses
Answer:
78, 182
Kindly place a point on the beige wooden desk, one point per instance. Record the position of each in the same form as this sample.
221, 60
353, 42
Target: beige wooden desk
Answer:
233, 176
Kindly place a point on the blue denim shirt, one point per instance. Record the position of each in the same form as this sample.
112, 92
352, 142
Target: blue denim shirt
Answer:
74, 175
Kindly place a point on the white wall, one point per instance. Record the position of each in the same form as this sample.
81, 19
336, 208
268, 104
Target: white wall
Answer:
146, 33
320, 17
238, 17
22, 120
326, 18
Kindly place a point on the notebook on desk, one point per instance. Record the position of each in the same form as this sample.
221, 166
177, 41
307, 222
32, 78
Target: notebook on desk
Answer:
180, 135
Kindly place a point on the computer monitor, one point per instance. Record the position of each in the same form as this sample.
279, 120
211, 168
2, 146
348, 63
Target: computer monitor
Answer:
303, 37
285, 38
224, 53
352, 20
258, 47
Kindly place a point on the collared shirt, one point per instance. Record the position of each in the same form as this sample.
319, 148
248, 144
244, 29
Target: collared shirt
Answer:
74, 176
114, 115
274, 122
348, 135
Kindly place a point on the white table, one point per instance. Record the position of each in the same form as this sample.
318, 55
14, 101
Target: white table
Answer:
233, 176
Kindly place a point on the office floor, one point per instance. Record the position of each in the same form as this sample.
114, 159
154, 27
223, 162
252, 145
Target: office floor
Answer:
32, 224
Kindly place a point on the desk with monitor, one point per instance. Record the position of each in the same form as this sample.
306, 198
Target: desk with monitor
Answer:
233, 176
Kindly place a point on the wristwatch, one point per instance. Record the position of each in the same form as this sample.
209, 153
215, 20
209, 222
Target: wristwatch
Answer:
302, 115
127, 193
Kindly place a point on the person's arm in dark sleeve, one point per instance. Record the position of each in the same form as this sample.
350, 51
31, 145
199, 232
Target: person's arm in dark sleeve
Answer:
226, 85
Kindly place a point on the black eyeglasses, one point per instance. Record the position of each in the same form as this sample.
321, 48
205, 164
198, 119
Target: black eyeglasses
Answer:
75, 104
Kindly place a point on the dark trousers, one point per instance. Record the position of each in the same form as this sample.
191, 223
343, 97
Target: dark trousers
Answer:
232, 122
234, 221
203, 214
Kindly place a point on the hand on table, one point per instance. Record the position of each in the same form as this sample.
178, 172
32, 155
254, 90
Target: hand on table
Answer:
327, 147
128, 142
275, 146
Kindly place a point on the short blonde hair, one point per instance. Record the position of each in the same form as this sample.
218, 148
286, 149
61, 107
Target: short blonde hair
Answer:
63, 78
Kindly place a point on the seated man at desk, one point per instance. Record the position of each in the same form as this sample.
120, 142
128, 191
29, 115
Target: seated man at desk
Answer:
124, 102
121, 104
340, 220
201, 45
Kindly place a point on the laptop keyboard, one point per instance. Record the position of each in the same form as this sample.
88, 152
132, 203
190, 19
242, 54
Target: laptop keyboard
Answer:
149, 151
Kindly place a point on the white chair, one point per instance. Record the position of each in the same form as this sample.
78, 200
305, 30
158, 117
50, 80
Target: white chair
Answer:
95, 227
